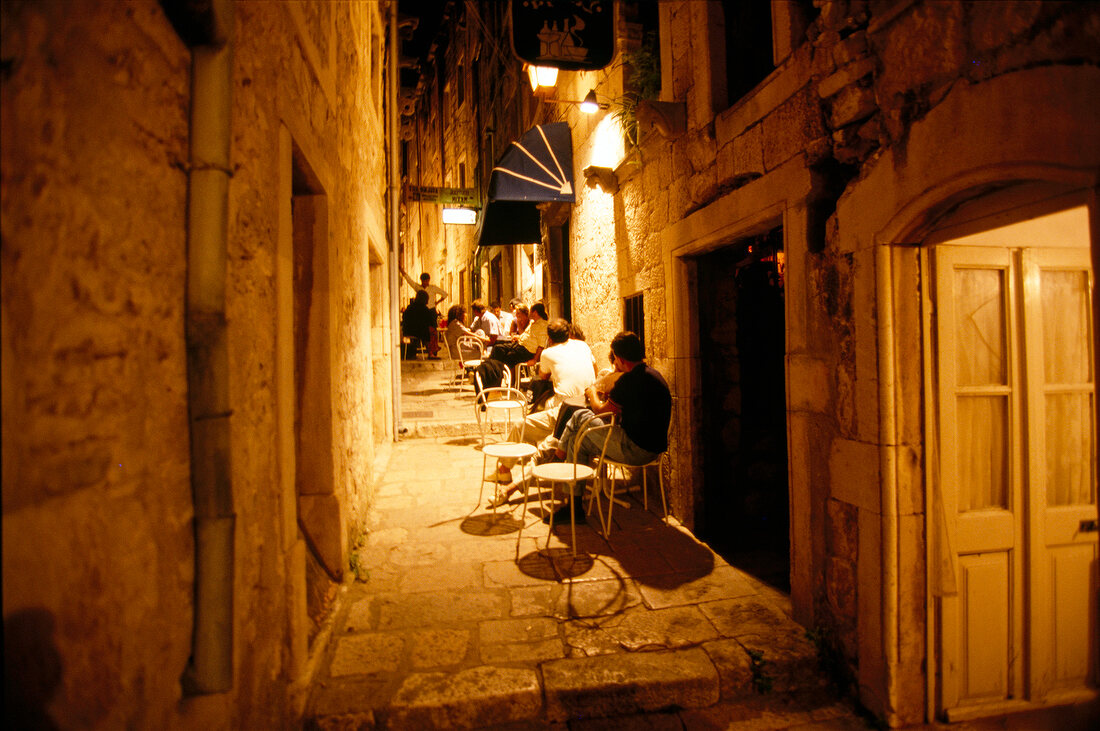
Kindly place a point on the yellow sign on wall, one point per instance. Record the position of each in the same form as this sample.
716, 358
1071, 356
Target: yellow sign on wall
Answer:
446, 196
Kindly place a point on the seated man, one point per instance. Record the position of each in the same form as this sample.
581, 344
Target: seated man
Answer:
571, 367
527, 347
485, 324
524, 349
641, 400
418, 322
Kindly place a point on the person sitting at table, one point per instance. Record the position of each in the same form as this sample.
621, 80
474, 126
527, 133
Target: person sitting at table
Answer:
527, 347
418, 322
505, 318
524, 349
643, 403
456, 328
485, 323
568, 367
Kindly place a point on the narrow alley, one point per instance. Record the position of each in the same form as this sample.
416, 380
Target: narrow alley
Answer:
853, 243
453, 623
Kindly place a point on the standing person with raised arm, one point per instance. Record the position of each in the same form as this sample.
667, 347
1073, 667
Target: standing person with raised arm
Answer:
435, 294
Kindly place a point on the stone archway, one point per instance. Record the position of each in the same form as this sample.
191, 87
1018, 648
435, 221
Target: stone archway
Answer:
964, 156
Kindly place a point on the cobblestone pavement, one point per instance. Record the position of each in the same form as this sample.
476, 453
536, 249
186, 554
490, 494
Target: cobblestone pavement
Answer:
462, 622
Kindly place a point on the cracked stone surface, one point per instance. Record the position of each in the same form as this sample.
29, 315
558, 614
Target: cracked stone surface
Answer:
478, 696
609, 685
448, 629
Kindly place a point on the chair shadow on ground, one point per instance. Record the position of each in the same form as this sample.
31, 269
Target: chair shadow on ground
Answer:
490, 524
428, 392
648, 550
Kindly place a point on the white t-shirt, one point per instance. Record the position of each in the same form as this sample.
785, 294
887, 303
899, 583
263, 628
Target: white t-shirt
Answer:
505, 323
571, 366
488, 324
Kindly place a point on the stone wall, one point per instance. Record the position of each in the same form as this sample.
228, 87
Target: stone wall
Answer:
843, 103
98, 547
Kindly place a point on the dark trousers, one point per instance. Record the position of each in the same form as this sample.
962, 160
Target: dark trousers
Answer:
511, 353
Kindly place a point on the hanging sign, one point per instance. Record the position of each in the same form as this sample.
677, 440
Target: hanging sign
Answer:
567, 34
446, 196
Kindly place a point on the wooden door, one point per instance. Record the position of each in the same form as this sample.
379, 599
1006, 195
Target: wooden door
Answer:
1016, 402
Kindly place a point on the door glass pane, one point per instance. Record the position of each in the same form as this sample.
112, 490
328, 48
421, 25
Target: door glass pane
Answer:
1070, 452
1065, 299
983, 452
980, 325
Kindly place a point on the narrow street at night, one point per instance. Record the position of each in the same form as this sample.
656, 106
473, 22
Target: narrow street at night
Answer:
452, 625
792, 306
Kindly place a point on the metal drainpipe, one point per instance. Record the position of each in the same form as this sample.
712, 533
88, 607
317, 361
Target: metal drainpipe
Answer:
888, 473
395, 187
210, 669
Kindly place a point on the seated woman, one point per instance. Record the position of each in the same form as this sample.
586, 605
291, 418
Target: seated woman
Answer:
456, 328
418, 321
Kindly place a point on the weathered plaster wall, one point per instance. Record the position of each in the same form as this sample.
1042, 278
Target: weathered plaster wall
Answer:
97, 537
98, 551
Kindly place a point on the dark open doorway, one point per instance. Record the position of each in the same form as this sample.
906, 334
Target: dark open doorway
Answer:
744, 515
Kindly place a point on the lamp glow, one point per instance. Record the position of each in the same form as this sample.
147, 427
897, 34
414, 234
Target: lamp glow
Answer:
542, 76
461, 216
590, 105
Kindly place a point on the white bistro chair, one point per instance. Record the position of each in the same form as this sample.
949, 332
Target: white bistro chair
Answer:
468, 346
568, 474
609, 482
505, 404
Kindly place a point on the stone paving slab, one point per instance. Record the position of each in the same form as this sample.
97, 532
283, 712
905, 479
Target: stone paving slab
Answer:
455, 624
610, 685
472, 698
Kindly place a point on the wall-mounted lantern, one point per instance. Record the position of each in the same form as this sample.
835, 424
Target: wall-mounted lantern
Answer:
588, 105
543, 78
460, 216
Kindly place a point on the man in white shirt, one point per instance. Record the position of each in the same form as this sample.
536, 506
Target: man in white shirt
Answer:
504, 317
571, 367
485, 322
435, 294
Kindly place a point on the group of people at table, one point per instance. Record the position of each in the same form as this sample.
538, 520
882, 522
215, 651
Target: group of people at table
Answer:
568, 383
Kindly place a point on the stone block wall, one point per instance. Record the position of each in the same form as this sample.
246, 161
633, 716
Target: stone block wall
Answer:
98, 547
847, 98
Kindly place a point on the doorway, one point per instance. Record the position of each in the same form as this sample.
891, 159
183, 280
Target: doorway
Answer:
1014, 405
744, 514
318, 510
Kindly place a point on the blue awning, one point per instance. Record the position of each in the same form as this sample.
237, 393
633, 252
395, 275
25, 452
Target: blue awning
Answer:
535, 169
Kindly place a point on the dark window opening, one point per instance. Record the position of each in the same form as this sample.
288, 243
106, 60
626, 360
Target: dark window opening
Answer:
749, 57
634, 315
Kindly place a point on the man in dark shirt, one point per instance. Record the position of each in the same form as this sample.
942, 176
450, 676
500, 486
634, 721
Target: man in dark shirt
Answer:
643, 404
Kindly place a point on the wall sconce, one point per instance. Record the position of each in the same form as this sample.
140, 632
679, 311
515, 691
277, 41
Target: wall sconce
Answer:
542, 77
605, 178
588, 105
461, 216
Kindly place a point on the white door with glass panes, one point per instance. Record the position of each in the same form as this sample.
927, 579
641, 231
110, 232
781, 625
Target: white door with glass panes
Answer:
1016, 402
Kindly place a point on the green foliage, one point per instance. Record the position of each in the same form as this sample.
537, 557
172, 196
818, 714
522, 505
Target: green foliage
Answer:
643, 81
761, 681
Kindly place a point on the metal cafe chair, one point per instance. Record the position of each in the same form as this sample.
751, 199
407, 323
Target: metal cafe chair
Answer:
468, 345
504, 401
569, 474
609, 481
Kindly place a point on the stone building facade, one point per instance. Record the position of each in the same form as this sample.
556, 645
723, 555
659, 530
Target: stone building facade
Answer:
132, 132
809, 195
